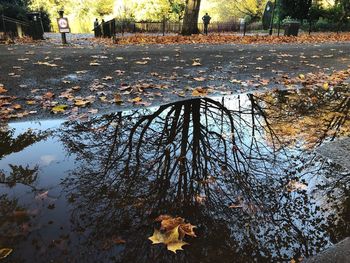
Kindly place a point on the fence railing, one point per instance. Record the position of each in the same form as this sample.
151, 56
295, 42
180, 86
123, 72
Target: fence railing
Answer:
115, 26
12, 28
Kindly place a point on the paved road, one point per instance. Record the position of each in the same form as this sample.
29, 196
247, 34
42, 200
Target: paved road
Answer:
157, 73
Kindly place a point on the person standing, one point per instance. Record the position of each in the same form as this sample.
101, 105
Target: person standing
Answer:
206, 21
96, 28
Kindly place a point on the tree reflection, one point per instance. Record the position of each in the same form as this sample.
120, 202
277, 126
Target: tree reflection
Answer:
15, 218
11, 144
199, 159
311, 115
314, 116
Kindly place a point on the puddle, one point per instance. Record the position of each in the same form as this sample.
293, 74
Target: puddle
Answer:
242, 169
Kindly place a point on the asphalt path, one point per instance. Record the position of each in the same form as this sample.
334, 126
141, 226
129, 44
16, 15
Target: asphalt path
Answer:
157, 73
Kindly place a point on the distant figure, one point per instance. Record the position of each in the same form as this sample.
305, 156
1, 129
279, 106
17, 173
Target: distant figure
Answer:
103, 28
96, 28
206, 21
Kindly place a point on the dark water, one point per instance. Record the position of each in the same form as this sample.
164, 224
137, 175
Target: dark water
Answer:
242, 169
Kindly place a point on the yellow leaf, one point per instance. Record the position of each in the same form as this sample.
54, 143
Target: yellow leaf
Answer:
103, 99
137, 99
157, 237
31, 102
176, 246
4, 252
169, 238
59, 108
199, 92
326, 86
81, 103
301, 76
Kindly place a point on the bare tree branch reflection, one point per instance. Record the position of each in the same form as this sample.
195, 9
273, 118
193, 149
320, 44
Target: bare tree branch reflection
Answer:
199, 159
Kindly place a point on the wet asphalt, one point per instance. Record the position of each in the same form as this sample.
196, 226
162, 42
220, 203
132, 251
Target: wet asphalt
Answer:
158, 74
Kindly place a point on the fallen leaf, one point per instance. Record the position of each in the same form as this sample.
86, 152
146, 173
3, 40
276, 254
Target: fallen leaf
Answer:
42, 196
326, 86
118, 98
137, 99
4, 252
295, 185
59, 109
30, 102
199, 92
199, 79
170, 239
196, 64
2, 89
17, 106
93, 111
172, 232
81, 103
144, 62
46, 64
118, 240
48, 95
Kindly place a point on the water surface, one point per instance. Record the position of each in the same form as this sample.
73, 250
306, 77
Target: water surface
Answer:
242, 169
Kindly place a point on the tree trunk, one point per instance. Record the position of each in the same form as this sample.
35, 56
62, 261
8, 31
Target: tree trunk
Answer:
190, 23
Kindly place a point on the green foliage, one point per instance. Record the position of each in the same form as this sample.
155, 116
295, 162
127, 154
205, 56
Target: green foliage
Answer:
82, 14
248, 19
316, 11
104, 7
14, 8
298, 9
45, 18
177, 9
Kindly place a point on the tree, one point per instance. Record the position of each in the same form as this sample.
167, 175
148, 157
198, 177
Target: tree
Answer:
252, 8
104, 7
298, 9
177, 8
14, 8
344, 8
190, 23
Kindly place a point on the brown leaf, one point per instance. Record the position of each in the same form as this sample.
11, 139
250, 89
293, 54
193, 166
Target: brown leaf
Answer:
48, 95
118, 98
4, 252
2, 89
17, 106
199, 92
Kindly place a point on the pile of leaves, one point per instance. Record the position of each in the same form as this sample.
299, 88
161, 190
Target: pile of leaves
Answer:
316, 80
225, 38
172, 232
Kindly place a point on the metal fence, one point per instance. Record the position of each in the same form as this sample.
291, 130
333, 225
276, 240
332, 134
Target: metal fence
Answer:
115, 26
12, 28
